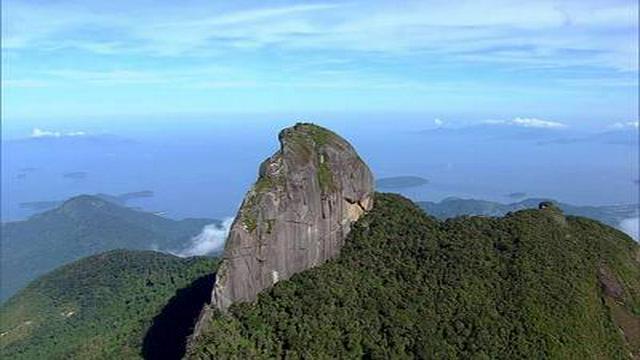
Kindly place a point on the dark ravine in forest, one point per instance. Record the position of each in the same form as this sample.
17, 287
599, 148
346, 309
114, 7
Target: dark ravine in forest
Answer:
167, 335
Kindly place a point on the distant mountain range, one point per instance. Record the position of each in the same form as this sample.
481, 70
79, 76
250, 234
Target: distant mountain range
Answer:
539, 135
83, 226
614, 137
484, 132
452, 207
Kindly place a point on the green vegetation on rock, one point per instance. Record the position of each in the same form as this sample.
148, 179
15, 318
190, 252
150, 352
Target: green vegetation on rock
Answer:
270, 224
325, 177
99, 307
308, 139
318, 134
264, 183
249, 221
406, 285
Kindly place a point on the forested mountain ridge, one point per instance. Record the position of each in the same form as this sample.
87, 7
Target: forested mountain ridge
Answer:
102, 307
451, 207
533, 284
83, 226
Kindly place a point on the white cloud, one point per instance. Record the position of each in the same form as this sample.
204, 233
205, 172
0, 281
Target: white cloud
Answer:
438, 122
40, 133
75, 133
528, 122
627, 125
107, 77
532, 33
220, 76
211, 239
631, 226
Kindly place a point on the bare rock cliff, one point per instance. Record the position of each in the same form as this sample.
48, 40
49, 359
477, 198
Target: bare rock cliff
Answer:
296, 215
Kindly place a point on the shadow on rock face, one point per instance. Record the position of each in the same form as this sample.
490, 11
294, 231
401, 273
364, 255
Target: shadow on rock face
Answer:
167, 336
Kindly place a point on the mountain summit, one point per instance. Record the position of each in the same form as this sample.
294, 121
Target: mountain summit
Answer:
296, 215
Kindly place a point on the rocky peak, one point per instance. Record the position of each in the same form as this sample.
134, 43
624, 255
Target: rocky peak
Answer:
551, 209
296, 215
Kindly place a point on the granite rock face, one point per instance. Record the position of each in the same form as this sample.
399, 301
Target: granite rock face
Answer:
297, 214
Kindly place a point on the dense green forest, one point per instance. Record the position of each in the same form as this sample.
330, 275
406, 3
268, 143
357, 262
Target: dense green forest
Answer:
534, 284
101, 307
83, 226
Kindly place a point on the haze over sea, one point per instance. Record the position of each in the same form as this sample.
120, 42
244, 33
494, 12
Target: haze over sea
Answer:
183, 100
200, 166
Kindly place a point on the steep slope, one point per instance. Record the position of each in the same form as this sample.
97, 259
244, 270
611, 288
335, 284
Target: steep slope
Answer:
534, 284
83, 226
297, 214
451, 207
99, 307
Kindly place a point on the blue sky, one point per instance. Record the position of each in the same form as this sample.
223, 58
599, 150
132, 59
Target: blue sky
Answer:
571, 62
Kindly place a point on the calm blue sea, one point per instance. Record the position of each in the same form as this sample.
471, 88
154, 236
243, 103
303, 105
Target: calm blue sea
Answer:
202, 168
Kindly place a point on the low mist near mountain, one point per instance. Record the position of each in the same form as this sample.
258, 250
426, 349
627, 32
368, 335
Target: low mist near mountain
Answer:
86, 225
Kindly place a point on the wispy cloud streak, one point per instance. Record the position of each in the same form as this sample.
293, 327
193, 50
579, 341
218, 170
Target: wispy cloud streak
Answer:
410, 54
541, 33
528, 123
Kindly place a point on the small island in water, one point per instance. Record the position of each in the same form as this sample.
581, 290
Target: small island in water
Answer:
516, 195
75, 175
401, 182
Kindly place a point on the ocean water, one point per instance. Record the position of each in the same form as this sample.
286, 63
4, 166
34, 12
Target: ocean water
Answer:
203, 168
